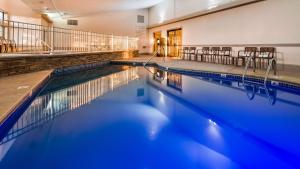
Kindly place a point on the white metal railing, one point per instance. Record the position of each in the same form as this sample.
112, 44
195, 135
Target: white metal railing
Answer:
26, 37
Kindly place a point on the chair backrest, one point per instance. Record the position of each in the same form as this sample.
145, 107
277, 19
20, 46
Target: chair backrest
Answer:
193, 49
186, 49
251, 49
267, 49
205, 49
226, 49
215, 48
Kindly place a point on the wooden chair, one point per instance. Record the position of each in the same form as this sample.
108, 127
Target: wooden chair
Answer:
203, 53
1, 45
265, 55
243, 54
192, 53
7, 45
4, 45
214, 54
185, 53
12, 46
226, 55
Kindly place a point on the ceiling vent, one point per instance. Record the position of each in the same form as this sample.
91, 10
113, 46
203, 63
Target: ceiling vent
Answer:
72, 22
140, 19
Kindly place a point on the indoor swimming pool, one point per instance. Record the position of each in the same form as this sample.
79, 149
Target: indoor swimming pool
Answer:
121, 117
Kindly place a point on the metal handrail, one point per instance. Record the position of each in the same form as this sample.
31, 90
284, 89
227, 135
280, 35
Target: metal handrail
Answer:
249, 58
46, 44
268, 70
154, 55
265, 78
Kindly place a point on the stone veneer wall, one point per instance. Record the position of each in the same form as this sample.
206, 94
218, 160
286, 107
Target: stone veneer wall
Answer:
18, 64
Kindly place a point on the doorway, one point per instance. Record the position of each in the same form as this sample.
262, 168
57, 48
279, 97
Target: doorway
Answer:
174, 42
159, 43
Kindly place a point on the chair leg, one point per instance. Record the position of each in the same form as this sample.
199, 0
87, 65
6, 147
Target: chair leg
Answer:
274, 65
254, 64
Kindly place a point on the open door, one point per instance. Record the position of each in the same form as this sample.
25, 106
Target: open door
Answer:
174, 42
158, 43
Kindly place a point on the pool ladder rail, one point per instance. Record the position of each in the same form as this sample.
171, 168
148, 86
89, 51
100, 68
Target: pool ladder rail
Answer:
270, 63
155, 54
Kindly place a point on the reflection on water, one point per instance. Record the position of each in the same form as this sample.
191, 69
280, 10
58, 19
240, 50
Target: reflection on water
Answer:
158, 75
174, 80
250, 89
49, 106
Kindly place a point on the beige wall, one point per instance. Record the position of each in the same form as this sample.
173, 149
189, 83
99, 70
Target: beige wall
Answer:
17, 8
174, 9
268, 22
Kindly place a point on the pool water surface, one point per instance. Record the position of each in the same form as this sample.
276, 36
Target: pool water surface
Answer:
136, 118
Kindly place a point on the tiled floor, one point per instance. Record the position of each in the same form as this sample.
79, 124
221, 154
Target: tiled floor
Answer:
14, 88
284, 73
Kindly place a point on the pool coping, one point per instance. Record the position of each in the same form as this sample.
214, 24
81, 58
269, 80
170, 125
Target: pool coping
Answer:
221, 75
9, 56
18, 108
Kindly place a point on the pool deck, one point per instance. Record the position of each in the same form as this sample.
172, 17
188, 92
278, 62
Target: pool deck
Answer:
288, 73
15, 89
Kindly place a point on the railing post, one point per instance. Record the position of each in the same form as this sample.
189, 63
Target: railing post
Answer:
127, 43
89, 41
112, 42
52, 38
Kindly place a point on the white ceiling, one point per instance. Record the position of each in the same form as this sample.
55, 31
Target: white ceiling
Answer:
85, 7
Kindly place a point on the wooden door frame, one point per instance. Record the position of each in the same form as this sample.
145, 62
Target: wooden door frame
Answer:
154, 43
170, 30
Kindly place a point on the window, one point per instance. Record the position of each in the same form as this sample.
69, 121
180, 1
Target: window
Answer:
73, 22
140, 19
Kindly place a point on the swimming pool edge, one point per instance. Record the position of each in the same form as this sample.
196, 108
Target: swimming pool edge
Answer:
223, 75
18, 108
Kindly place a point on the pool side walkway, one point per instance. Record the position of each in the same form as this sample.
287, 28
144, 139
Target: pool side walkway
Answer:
14, 89
288, 73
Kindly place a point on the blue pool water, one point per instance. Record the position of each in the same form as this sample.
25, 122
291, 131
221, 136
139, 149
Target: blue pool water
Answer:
133, 118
